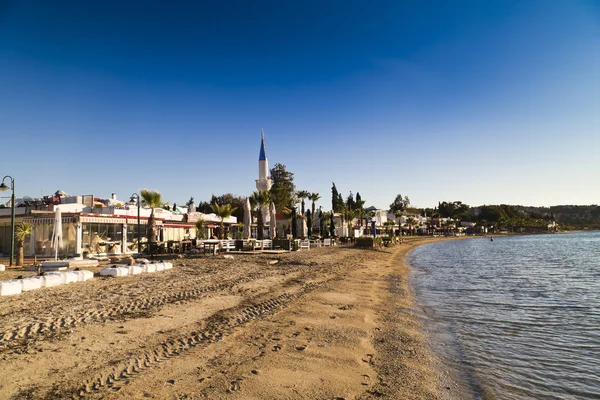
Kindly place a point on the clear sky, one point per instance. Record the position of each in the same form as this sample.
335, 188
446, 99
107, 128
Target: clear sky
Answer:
486, 102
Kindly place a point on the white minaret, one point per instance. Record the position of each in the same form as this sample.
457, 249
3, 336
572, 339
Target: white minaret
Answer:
264, 180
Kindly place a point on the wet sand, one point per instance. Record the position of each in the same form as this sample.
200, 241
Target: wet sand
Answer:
329, 323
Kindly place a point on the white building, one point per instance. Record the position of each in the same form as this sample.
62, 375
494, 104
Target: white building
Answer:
98, 226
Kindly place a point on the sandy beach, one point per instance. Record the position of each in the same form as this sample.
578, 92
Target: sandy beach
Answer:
329, 323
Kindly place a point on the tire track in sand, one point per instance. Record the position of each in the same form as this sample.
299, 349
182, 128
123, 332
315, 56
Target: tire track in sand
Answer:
38, 328
217, 327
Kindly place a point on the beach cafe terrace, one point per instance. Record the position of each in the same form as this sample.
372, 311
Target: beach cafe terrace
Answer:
101, 226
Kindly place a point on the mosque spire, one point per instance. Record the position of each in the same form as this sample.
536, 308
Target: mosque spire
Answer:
264, 180
263, 154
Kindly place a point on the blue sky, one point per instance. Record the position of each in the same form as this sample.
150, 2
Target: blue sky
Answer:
485, 102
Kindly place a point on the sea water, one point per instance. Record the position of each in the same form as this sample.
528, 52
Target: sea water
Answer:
517, 317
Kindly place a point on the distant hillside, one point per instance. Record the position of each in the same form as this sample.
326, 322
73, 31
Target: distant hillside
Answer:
567, 216
576, 216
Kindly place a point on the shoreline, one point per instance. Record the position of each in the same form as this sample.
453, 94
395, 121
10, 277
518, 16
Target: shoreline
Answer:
409, 367
452, 383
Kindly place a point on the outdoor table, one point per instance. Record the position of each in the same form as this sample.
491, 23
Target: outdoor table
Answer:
186, 245
210, 245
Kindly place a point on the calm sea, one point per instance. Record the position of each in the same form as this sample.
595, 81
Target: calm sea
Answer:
517, 317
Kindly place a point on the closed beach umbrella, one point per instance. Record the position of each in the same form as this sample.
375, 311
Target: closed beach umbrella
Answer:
247, 219
272, 222
294, 223
57, 241
309, 218
303, 227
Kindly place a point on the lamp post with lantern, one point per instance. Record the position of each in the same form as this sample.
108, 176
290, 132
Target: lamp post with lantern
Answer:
4, 187
139, 242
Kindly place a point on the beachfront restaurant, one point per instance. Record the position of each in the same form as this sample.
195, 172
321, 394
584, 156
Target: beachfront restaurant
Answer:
103, 230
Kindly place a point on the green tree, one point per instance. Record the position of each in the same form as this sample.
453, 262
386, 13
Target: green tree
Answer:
153, 199
360, 207
453, 209
350, 203
237, 202
223, 211
302, 195
400, 203
331, 225
283, 188
336, 199
22, 231
288, 214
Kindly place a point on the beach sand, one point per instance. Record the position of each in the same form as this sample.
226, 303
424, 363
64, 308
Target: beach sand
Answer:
329, 323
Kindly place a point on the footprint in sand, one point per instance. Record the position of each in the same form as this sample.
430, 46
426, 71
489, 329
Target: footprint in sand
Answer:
366, 380
295, 334
301, 347
369, 359
234, 386
276, 347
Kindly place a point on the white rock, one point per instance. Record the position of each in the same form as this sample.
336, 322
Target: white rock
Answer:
149, 268
119, 271
83, 276
10, 287
71, 277
31, 283
51, 280
65, 277
135, 269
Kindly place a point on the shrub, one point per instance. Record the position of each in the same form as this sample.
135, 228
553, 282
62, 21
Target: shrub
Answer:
368, 242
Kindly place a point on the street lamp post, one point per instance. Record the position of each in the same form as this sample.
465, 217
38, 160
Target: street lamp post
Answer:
4, 188
139, 231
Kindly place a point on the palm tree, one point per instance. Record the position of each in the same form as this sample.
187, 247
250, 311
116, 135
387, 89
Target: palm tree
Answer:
153, 200
261, 199
350, 215
360, 204
288, 214
398, 215
22, 230
301, 195
411, 224
222, 212
314, 197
